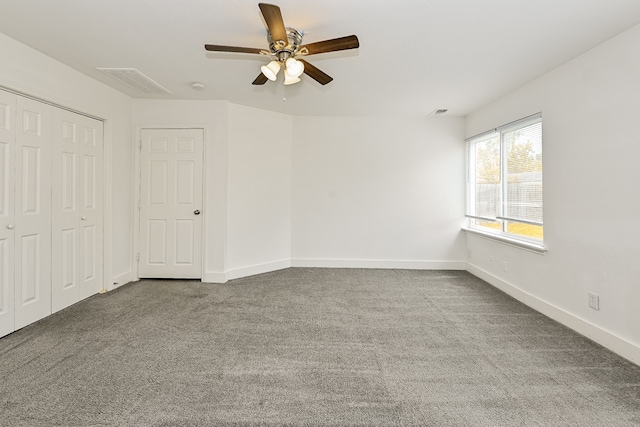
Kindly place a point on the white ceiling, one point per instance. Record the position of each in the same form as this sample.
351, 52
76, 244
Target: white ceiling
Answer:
414, 56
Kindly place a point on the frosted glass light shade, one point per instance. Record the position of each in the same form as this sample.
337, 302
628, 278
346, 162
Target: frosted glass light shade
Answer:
294, 67
271, 70
290, 79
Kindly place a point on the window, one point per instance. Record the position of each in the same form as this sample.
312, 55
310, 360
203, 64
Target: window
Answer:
504, 183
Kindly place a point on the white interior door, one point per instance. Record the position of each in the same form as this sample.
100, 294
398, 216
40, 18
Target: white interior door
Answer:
32, 212
7, 208
171, 203
77, 208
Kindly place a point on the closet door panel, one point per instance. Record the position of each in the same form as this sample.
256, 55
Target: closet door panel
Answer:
77, 209
66, 243
7, 206
91, 205
32, 212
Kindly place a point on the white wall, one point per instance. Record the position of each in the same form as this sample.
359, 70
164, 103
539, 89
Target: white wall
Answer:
591, 111
378, 192
259, 210
323, 191
25, 70
247, 212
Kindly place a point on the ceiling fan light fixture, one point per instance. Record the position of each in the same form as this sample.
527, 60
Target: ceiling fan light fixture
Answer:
289, 78
271, 70
294, 67
286, 43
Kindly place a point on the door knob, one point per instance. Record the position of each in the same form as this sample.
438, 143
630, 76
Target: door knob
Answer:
10, 226
196, 212
83, 218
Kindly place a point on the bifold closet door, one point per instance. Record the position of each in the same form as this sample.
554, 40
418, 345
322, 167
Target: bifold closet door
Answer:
7, 214
77, 208
32, 231
51, 251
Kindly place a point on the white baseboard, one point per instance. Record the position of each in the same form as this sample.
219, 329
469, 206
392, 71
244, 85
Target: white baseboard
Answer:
252, 270
122, 279
377, 263
603, 337
214, 277
237, 273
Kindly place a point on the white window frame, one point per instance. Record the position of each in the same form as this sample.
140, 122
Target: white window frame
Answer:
472, 218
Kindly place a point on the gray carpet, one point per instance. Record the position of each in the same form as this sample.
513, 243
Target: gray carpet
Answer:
311, 347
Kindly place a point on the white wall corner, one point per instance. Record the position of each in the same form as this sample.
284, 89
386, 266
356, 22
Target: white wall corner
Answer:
122, 279
603, 337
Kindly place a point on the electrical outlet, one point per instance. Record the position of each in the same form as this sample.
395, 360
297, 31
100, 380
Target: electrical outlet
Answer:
594, 301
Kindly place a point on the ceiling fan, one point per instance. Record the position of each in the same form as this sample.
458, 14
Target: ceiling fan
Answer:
286, 49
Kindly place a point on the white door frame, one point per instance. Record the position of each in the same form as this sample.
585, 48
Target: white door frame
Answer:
137, 181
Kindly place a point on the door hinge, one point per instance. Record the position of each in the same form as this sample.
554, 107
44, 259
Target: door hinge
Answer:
138, 256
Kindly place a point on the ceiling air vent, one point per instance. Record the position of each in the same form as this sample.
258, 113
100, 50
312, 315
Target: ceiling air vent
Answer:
438, 112
135, 79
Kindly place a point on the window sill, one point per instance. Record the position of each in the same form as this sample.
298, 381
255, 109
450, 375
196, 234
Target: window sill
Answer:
539, 249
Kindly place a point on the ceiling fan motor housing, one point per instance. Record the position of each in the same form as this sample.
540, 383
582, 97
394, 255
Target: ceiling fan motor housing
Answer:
282, 51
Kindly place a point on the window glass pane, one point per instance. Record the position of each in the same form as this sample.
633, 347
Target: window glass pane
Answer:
505, 180
523, 173
494, 225
528, 230
487, 177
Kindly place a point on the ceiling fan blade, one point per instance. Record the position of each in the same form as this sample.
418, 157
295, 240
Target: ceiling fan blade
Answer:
273, 18
219, 48
333, 45
260, 80
315, 73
